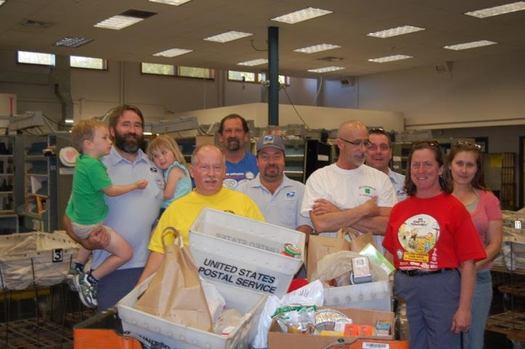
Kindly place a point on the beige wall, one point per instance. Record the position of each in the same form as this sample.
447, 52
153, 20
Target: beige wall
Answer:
482, 92
315, 117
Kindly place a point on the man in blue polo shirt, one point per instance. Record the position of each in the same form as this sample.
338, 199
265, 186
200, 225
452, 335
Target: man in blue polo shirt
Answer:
240, 163
279, 198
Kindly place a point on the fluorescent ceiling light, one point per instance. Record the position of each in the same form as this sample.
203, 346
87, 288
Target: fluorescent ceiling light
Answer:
124, 19
69, 121
171, 2
172, 52
325, 69
497, 10
388, 33
317, 48
118, 22
72, 41
148, 133
228, 36
301, 15
254, 62
389, 58
467, 45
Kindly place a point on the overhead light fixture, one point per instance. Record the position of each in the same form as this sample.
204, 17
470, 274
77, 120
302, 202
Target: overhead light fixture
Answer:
172, 52
467, 45
325, 69
497, 10
389, 58
69, 121
124, 19
317, 48
301, 15
171, 2
254, 62
228, 36
2, 2
388, 33
72, 41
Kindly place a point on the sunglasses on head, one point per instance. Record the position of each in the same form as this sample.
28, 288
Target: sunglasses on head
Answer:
377, 131
468, 144
430, 144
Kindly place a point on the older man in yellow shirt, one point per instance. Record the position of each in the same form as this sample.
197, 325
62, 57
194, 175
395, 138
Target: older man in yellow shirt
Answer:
208, 171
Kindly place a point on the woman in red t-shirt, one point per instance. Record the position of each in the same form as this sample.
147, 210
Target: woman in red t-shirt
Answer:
434, 245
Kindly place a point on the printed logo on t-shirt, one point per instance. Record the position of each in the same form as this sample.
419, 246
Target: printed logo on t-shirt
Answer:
366, 190
290, 195
418, 236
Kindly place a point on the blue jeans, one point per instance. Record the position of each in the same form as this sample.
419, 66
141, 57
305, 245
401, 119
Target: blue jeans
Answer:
481, 301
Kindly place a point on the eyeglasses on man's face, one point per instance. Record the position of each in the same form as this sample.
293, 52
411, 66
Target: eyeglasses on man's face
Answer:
357, 142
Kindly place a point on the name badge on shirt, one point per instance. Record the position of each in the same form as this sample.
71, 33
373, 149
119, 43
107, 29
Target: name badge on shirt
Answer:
158, 178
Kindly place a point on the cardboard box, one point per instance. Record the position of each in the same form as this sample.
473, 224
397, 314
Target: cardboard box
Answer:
278, 340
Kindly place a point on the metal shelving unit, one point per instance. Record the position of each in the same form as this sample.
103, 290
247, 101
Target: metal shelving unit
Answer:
8, 216
45, 185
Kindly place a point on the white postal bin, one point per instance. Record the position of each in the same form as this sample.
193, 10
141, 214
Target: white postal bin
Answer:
154, 329
243, 252
372, 295
376, 295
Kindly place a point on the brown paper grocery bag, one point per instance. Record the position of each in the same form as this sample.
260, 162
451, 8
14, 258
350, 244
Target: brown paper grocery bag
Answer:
175, 293
320, 246
356, 239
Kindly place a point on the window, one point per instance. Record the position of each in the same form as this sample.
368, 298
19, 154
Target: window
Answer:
178, 71
27, 57
283, 79
158, 69
253, 77
194, 72
241, 76
87, 62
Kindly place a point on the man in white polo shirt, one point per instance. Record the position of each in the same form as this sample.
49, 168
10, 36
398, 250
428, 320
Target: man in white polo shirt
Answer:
279, 198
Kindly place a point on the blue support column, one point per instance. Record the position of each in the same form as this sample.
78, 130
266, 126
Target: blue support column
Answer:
273, 76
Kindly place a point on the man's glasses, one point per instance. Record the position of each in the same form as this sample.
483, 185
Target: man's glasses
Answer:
357, 142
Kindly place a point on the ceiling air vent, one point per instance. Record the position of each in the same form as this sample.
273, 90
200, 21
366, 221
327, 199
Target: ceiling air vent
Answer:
330, 59
33, 23
137, 14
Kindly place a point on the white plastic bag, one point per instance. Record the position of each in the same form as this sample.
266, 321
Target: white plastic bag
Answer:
311, 294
